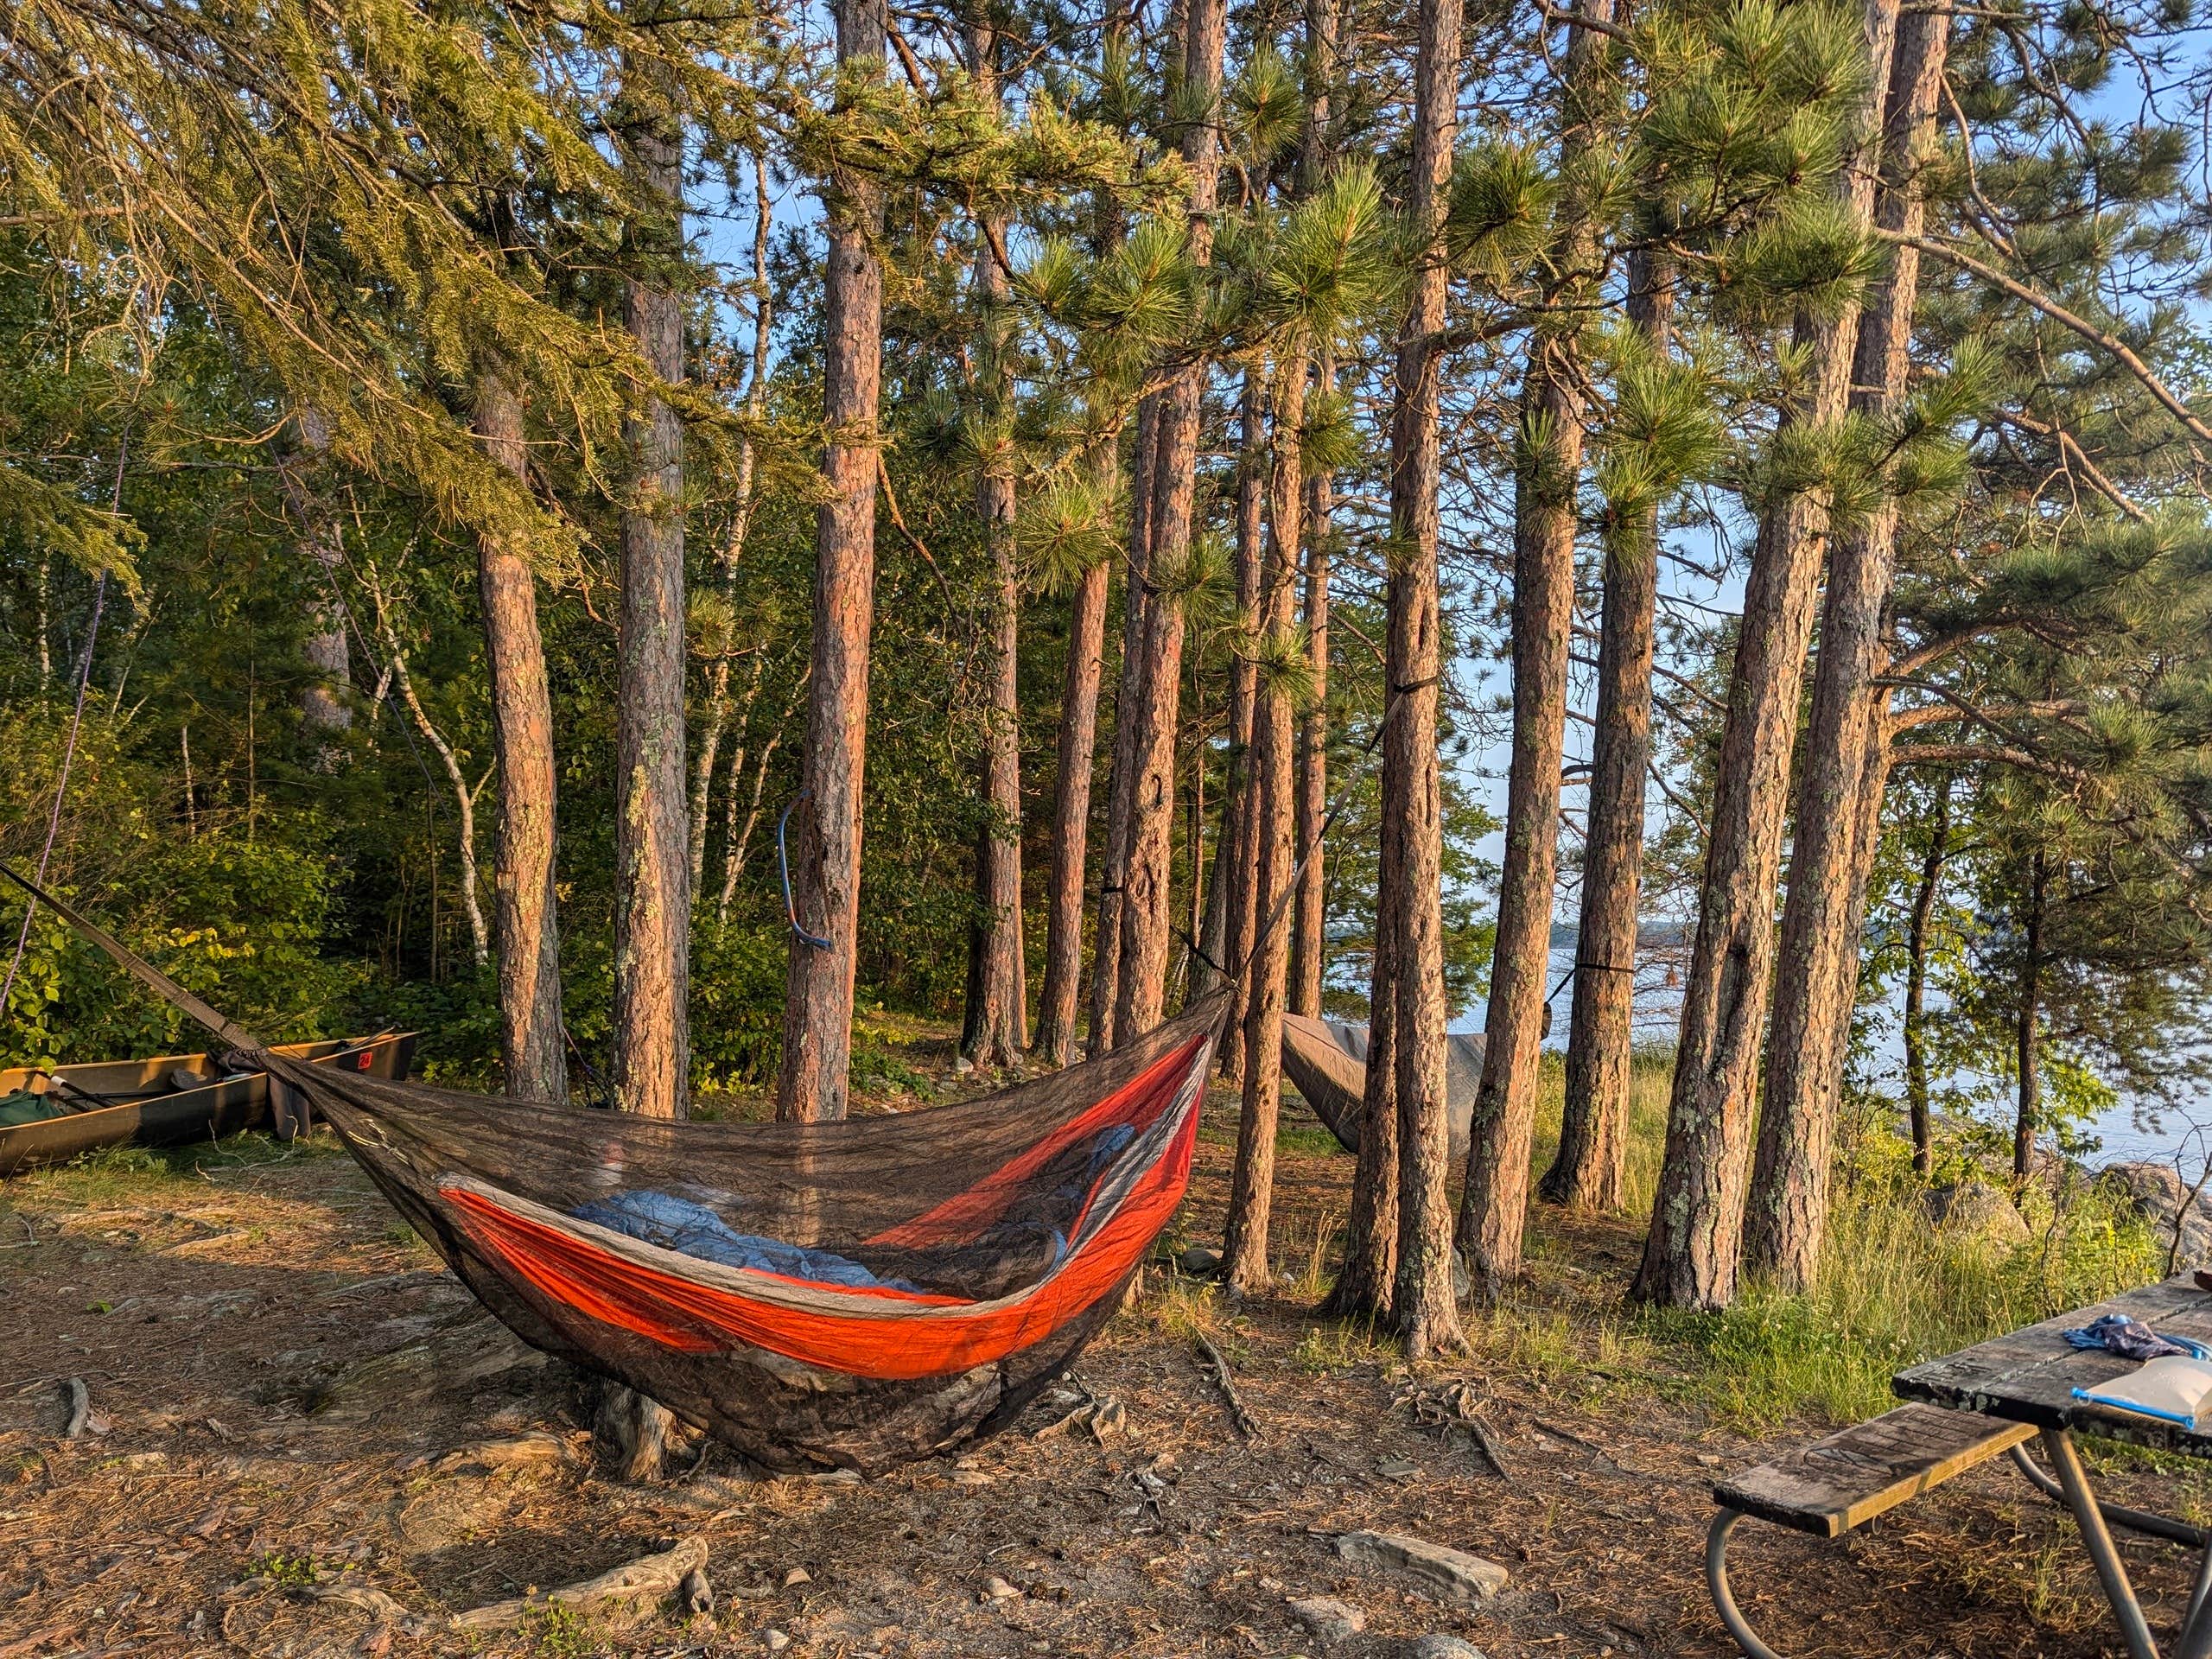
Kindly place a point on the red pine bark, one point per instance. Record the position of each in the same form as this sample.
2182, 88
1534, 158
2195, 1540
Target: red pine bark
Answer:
811, 1083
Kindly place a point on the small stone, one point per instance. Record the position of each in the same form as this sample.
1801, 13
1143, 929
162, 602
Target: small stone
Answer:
997, 1589
1710, 1460
694, 1594
1436, 1645
836, 1478
1331, 1621
797, 1575
1198, 1261
1397, 1469
775, 1641
1449, 1575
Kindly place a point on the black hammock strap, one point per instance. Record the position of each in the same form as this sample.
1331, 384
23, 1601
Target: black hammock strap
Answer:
138, 968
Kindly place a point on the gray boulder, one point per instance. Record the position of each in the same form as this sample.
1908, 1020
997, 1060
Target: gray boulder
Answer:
1976, 1210
2157, 1192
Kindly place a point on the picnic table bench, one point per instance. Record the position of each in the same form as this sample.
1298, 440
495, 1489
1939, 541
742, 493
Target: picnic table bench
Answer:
1965, 1409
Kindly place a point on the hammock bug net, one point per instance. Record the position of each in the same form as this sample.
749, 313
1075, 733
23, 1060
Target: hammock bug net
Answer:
853, 1294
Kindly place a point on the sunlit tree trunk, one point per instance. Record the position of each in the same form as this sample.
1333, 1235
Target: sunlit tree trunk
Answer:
1592, 1162
2028, 1059
1273, 793
997, 1015
811, 1083
1694, 1248
533, 1059
1547, 470
1786, 1221
1309, 941
1237, 856
1106, 955
1422, 1302
1145, 897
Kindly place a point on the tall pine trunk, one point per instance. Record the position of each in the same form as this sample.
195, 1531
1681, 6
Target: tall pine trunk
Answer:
1592, 1164
1272, 792
1694, 1248
1077, 750
652, 901
533, 1060
1914, 1022
1422, 1300
1494, 1208
997, 1015
812, 1081
1236, 853
1831, 850
1106, 954
1145, 896
1309, 941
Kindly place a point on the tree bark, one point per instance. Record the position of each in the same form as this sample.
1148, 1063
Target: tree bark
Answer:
1145, 897
324, 711
1592, 1164
1237, 855
997, 1017
1693, 1251
1106, 955
1079, 746
2029, 1099
1422, 1302
811, 1083
1273, 793
653, 898
1916, 982
532, 1058
1493, 1209
1309, 944
1844, 747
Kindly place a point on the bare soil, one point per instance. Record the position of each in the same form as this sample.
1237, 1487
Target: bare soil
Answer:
289, 1394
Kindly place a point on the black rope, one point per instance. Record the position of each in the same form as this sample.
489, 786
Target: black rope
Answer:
783, 864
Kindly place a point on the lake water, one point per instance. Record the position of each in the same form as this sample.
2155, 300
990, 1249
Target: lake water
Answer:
1662, 962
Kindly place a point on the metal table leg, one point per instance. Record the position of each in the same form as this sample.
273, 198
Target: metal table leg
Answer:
2074, 1481
1724, 1599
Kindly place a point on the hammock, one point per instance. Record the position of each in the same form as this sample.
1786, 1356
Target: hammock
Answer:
1326, 1063
855, 1294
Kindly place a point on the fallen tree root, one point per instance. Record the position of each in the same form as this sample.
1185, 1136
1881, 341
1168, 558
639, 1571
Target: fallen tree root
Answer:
1218, 1368
648, 1579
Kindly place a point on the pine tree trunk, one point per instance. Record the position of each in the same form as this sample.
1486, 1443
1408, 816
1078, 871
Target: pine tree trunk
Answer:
1493, 1210
998, 1014
1817, 982
1916, 983
1591, 1166
653, 899
1237, 855
1079, 744
1273, 793
324, 711
1146, 898
1106, 952
2027, 1058
812, 1081
1593, 1129
1367, 1282
1309, 940
533, 1060
1422, 1300
1694, 1250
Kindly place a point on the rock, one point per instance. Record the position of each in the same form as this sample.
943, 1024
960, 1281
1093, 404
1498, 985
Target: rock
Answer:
1435, 1645
1976, 1210
1198, 1261
694, 1594
1449, 1575
1329, 1620
2155, 1192
797, 1575
997, 1589
775, 1641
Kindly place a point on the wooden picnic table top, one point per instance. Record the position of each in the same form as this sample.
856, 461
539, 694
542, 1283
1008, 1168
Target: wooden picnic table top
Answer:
2030, 1375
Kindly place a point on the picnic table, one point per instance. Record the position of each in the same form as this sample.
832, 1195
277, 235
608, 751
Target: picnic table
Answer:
2029, 1378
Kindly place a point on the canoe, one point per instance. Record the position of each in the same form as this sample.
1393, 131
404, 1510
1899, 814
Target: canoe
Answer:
174, 1098
1326, 1063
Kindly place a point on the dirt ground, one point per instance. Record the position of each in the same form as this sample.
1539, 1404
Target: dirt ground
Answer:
290, 1396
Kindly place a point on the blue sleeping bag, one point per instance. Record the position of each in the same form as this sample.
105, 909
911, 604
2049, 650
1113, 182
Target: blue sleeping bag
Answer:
679, 1224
